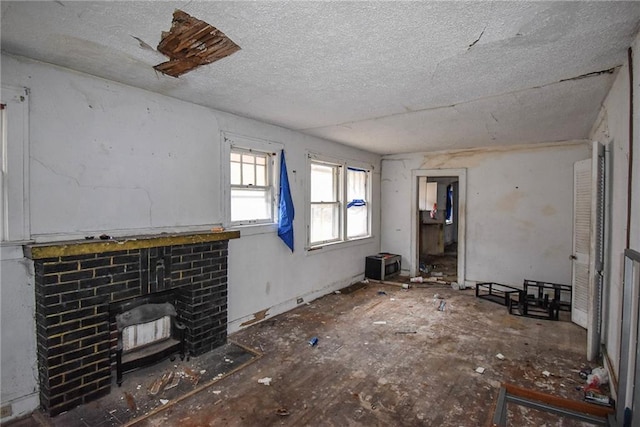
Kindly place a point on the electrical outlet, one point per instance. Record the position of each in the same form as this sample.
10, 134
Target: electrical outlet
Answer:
5, 411
299, 301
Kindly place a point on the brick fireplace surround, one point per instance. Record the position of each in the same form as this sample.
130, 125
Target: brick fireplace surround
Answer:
76, 281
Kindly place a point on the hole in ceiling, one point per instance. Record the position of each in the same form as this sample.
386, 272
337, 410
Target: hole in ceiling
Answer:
191, 43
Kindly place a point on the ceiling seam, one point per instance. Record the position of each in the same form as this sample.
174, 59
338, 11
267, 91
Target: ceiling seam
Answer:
441, 107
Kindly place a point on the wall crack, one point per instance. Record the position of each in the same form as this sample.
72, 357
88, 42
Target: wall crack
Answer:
477, 40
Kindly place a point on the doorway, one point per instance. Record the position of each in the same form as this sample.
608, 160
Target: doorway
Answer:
438, 227
438, 224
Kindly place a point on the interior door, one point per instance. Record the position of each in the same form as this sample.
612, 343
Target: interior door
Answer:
588, 246
581, 242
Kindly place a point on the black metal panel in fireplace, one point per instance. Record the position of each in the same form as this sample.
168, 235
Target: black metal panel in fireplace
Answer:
146, 308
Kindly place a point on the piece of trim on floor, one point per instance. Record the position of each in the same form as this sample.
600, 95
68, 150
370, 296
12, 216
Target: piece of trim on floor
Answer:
258, 355
583, 411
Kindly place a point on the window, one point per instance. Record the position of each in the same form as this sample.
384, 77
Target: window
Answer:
339, 205
357, 206
14, 173
251, 189
251, 180
325, 203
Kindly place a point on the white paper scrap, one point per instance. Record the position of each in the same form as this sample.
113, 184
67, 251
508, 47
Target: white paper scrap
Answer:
265, 381
480, 370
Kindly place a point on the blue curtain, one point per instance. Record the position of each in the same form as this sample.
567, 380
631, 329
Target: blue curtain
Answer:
286, 212
449, 216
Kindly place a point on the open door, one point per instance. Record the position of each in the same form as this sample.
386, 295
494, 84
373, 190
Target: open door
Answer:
588, 241
461, 176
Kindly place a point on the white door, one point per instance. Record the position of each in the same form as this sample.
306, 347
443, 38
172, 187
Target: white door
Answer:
588, 238
581, 241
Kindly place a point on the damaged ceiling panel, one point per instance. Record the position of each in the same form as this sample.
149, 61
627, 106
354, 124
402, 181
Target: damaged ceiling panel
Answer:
191, 43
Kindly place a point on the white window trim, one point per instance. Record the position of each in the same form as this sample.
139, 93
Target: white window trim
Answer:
344, 163
16, 226
230, 140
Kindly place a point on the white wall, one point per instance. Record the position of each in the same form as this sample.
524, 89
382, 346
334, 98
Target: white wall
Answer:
635, 197
19, 367
108, 158
612, 129
518, 209
271, 276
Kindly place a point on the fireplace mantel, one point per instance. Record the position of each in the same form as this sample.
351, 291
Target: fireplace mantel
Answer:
81, 247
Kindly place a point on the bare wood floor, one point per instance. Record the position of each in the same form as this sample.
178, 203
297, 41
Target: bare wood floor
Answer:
418, 368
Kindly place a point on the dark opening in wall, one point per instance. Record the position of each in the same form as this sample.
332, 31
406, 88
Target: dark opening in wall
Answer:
191, 43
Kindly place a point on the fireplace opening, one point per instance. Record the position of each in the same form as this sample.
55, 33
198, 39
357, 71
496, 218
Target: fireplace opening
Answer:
147, 330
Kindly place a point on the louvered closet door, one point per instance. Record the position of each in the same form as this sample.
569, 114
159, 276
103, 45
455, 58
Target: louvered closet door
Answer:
581, 241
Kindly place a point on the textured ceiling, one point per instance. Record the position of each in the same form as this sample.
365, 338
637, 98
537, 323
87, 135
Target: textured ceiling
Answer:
389, 77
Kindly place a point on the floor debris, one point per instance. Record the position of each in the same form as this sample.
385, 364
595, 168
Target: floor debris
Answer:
282, 412
174, 382
191, 375
265, 381
596, 397
131, 402
326, 386
500, 356
165, 380
480, 370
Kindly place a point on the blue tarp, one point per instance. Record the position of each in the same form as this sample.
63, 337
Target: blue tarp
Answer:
286, 212
356, 202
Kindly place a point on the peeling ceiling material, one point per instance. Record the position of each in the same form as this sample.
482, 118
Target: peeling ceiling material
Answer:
191, 43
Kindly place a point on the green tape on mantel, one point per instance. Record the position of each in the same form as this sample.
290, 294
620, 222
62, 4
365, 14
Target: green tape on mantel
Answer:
81, 247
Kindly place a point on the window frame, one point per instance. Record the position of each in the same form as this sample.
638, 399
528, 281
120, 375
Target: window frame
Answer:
237, 143
366, 200
338, 202
342, 166
15, 226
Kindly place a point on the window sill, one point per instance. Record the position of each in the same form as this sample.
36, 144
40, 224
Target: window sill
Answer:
255, 229
338, 245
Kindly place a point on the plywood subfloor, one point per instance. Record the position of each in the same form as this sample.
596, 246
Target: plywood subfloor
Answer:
389, 358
